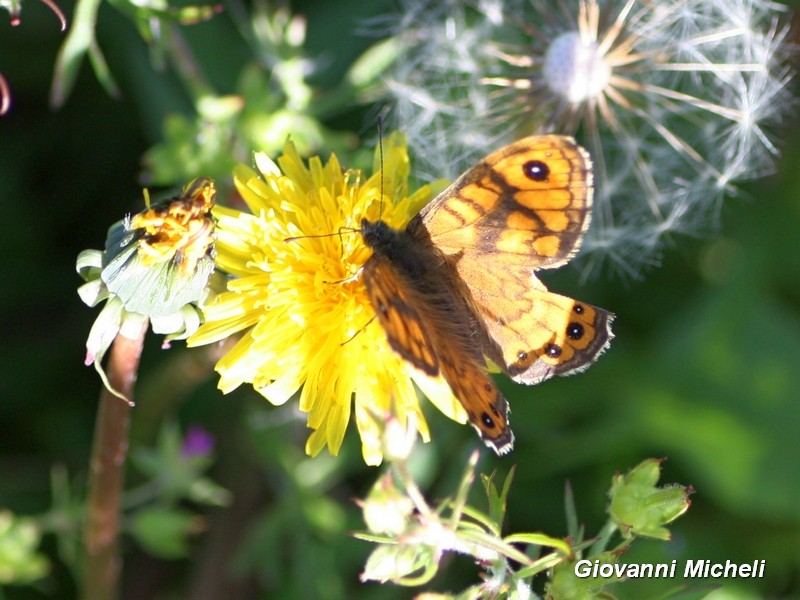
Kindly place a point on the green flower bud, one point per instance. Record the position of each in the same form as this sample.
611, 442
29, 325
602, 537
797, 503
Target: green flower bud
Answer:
389, 562
386, 509
638, 507
582, 579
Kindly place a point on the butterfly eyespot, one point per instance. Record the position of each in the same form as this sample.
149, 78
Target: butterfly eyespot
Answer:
536, 170
578, 309
522, 355
552, 350
488, 422
575, 331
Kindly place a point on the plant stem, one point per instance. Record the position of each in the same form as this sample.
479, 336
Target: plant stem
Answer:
102, 563
187, 67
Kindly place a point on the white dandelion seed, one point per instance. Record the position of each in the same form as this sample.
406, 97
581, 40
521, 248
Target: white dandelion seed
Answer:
675, 101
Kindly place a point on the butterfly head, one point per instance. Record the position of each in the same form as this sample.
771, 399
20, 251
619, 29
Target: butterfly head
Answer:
379, 236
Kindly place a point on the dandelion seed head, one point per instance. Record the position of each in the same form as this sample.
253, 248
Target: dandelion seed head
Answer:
676, 102
492, 10
574, 68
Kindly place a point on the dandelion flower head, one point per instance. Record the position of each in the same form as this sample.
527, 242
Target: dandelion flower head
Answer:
307, 326
676, 101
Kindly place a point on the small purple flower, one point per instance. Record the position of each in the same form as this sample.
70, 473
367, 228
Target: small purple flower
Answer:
198, 442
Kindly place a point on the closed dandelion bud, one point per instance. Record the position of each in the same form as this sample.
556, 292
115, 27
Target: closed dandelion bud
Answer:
156, 267
162, 258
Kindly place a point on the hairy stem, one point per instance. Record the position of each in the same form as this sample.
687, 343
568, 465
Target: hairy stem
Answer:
102, 562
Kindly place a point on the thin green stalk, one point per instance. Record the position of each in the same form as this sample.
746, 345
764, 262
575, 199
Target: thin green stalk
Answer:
187, 67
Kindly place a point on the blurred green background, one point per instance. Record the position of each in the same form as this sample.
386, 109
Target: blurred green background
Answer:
705, 368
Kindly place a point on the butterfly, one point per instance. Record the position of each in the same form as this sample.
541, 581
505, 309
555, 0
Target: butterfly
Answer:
458, 285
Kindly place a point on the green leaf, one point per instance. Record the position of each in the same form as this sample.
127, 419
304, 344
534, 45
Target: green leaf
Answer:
163, 531
79, 41
574, 529
497, 500
19, 561
540, 539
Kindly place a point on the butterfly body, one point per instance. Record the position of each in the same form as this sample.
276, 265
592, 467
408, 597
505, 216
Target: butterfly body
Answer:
458, 284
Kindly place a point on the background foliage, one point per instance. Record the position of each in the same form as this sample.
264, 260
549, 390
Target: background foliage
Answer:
703, 370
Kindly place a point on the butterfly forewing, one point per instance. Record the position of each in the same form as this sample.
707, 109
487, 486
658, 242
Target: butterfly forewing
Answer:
397, 310
428, 328
523, 208
529, 202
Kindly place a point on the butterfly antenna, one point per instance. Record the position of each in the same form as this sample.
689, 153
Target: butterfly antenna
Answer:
342, 230
379, 121
363, 327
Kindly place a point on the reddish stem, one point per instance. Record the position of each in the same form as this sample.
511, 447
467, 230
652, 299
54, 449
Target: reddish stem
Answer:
102, 562
5, 96
61, 18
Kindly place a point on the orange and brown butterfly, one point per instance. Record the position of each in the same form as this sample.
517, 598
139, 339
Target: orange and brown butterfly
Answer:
458, 284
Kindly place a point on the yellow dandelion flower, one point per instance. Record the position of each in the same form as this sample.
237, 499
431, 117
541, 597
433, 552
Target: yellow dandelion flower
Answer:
306, 321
